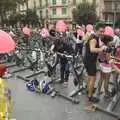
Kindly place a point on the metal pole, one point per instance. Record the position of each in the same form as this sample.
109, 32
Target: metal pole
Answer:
114, 18
115, 10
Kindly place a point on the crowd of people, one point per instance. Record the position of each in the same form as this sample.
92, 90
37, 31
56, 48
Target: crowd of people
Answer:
99, 46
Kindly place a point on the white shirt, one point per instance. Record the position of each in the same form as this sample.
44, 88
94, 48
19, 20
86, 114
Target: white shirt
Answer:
116, 41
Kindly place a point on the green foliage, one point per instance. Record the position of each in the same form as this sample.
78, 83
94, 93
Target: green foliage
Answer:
15, 18
117, 23
8, 5
31, 17
85, 13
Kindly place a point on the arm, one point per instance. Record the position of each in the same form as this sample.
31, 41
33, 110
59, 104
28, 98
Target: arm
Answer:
116, 68
112, 62
93, 48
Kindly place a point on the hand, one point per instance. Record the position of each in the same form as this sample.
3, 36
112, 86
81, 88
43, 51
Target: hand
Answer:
51, 52
112, 61
103, 48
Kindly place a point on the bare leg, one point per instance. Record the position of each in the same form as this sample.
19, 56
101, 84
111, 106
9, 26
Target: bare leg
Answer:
106, 82
91, 82
100, 82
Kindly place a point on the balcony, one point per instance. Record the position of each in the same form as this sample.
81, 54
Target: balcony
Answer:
59, 17
58, 5
111, 10
111, 1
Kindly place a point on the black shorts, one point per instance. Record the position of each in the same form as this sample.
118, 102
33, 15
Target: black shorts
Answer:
91, 68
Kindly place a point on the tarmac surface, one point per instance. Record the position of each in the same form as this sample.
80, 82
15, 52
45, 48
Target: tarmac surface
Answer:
31, 106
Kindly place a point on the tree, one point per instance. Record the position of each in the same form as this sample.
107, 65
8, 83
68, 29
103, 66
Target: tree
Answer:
31, 17
8, 5
16, 18
85, 13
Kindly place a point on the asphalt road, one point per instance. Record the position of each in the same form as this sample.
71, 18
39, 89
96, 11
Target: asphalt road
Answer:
31, 106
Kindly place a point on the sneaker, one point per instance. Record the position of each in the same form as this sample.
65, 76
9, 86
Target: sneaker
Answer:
90, 108
59, 81
7, 76
94, 99
107, 95
65, 84
99, 93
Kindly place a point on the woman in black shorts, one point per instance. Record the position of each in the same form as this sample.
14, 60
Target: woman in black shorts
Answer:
90, 59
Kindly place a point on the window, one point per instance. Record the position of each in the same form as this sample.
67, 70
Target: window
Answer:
64, 1
40, 3
46, 3
64, 11
106, 17
54, 11
108, 6
47, 13
54, 2
74, 2
41, 13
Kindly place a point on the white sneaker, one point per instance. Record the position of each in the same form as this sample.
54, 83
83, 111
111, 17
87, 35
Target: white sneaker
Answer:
66, 84
7, 76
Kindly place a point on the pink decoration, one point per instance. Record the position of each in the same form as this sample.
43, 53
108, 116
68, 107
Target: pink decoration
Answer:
109, 31
7, 44
27, 31
89, 28
61, 26
44, 32
80, 33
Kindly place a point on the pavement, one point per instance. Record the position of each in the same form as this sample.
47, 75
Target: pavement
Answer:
32, 106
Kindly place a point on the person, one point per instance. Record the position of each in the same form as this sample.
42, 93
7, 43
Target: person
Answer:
62, 45
104, 57
90, 59
115, 65
116, 39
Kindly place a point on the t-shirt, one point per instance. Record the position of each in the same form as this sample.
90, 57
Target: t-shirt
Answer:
89, 56
116, 41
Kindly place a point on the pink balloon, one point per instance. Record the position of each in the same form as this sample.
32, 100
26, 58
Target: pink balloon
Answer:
27, 31
7, 44
61, 26
44, 32
89, 28
109, 31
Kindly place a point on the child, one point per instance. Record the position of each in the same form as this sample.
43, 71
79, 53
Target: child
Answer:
105, 67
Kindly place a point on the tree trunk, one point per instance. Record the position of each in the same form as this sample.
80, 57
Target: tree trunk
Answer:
27, 4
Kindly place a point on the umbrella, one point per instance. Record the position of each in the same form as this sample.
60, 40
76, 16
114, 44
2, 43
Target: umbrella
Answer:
7, 44
61, 26
27, 31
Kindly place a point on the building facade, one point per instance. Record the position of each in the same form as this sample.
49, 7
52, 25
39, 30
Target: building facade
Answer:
49, 11
111, 10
